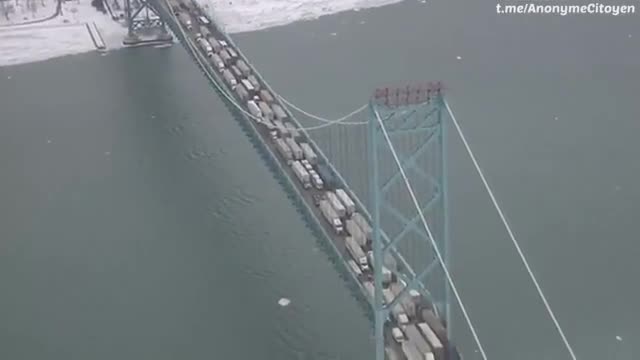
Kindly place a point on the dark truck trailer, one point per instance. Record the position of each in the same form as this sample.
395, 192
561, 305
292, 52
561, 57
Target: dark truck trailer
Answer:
327, 176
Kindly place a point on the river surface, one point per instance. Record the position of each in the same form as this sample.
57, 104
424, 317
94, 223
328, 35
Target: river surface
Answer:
138, 222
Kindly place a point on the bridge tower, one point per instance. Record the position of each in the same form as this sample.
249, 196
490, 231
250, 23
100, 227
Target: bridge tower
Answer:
144, 23
412, 119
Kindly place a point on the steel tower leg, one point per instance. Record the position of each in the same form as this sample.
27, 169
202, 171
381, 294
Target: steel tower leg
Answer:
378, 307
445, 211
127, 10
409, 114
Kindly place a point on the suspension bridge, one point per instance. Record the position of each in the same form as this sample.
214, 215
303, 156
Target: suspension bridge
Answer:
389, 156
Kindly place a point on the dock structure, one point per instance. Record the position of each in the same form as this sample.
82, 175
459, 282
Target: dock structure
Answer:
406, 295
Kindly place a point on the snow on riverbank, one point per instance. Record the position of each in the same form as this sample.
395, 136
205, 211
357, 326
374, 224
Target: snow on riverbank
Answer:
30, 44
250, 15
63, 35
16, 11
67, 33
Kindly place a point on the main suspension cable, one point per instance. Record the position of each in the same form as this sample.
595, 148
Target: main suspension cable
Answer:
510, 232
316, 117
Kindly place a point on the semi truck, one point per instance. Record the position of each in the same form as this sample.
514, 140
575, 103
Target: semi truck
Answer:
390, 353
253, 108
204, 32
399, 315
354, 267
229, 78
301, 174
364, 225
406, 301
236, 72
436, 325
232, 52
246, 70
268, 124
204, 20
224, 55
281, 129
217, 62
432, 339
414, 336
410, 351
335, 202
248, 86
293, 130
242, 92
295, 149
354, 230
309, 154
283, 149
205, 46
317, 181
347, 202
331, 217
389, 260
326, 175
387, 295
254, 81
215, 44
266, 111
265, 95
185, 20
279, 112
356, 253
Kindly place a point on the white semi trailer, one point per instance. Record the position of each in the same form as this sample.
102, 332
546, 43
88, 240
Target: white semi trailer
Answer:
301, 174
332, 218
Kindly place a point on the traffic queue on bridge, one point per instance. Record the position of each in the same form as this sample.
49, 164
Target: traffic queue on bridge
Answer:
419, 334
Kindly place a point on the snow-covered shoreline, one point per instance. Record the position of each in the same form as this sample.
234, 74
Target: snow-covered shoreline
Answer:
252, 15
62, 35
67, 33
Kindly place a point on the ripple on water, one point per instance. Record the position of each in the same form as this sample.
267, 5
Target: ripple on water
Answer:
200, 154
177, 129
243, 197
288, 337
260, 274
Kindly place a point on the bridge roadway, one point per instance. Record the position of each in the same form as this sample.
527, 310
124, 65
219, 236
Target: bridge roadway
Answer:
262, 139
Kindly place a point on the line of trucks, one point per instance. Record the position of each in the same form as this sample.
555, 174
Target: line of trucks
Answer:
418, 332
413, 324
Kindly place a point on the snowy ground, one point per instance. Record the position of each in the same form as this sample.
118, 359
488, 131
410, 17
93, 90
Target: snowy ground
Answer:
250, 15
63, 35
49, 39
19, 11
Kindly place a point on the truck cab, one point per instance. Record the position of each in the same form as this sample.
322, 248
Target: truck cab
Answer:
274, 135
317, 182
337, 226
204, 20
397, 334
364, 264
309, 168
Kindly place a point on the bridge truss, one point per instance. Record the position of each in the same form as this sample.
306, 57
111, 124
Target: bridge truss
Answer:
143, 19
406, 126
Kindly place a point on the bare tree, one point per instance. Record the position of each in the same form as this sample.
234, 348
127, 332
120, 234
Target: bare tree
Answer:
4, 9
32, 7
